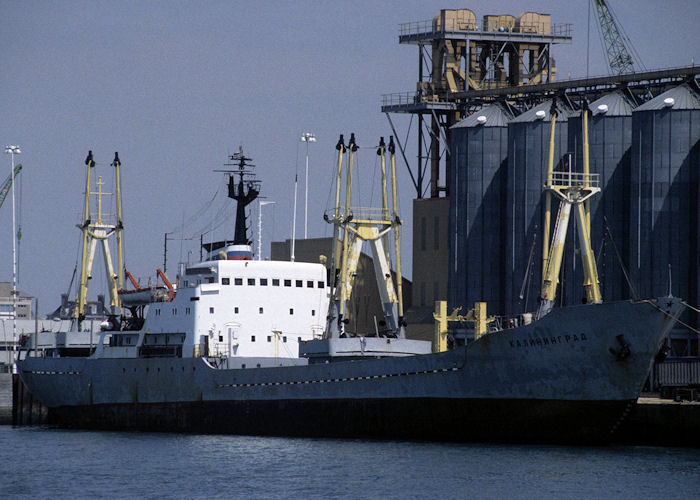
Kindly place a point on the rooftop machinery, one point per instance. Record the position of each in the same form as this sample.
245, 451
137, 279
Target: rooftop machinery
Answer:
97, 227
352, 226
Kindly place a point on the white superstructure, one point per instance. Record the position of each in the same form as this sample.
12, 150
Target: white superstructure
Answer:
232, 308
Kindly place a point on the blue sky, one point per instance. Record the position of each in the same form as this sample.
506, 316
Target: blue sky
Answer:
176, 86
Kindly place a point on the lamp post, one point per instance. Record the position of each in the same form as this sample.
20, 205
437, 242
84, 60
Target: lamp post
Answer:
12, 151
307, 137
260, 205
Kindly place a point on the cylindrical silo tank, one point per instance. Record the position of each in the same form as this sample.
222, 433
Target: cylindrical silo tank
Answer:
610, 140
528, 149
479, 150
664, 196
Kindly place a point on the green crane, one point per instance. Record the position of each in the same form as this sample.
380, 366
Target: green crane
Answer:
7, 184
616, 43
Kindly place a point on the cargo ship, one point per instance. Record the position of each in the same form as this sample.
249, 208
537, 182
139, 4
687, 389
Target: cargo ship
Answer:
246, 346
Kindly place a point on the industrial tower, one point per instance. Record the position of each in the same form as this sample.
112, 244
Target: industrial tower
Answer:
456, 54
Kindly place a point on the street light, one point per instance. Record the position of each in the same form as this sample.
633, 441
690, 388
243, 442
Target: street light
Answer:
307, 137
13, 150
261, 204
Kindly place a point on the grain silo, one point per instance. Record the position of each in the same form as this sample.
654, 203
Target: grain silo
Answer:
610, 141
479, 151
664, 201
528, 149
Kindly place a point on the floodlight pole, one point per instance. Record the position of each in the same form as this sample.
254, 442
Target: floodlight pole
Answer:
307, 137
12, 151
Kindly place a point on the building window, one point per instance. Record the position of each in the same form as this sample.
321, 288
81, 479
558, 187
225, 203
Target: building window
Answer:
309, 284
174, 311
157, 312
211, 310
269, 338
275, 282
225, 281
263, 281
313, 312
321, 284
422, 233
284, 339
252, 338
251, 281
291, 311
221, 338
260, 310
436, 233
300, 283
235, 310
287, 282
187, 310
238, 281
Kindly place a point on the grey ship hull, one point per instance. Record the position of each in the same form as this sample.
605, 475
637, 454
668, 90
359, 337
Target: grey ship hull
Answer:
560, 379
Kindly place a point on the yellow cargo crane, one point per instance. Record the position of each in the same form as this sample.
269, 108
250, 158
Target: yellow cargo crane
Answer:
573, 189
359, 225
96, 229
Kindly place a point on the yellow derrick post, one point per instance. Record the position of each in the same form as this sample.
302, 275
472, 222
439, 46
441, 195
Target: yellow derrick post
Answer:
586, 164
440, 337
79, 311
396, 223
480, 319
346, 239
336, 223
548, 194
120, 225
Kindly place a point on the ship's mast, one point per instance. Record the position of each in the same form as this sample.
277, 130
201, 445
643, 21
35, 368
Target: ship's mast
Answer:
244, 188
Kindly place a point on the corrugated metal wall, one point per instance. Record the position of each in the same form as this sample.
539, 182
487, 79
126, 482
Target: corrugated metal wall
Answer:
477, 209
664, 201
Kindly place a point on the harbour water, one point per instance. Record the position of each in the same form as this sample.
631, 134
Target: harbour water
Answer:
41, 462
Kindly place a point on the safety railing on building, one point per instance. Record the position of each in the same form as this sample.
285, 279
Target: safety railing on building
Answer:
457, 25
